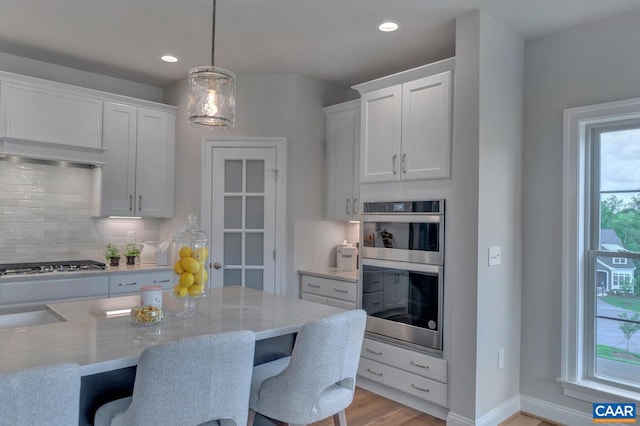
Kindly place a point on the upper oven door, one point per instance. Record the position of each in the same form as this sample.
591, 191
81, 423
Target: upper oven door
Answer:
417, 238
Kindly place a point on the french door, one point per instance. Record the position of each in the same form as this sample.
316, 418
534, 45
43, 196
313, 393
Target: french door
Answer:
240, 213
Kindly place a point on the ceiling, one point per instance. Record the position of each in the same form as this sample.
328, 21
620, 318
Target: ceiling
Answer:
336, 41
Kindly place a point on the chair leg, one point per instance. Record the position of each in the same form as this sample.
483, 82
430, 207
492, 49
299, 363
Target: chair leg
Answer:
251, 417
340, 419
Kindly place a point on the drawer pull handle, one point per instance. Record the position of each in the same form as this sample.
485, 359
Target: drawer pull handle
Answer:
373, 352
313, 285
375, 373
420, 389
161, 281
340, 291
127, 284
426, 367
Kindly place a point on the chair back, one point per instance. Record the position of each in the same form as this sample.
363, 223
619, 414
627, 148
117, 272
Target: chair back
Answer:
326, 355
193, 381
40, 396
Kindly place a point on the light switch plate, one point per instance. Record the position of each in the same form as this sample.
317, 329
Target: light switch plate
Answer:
494, 256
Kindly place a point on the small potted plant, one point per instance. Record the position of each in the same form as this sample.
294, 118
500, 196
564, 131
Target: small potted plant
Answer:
132, 253
112, 254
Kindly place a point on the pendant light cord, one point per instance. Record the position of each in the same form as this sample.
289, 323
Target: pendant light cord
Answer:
213, 32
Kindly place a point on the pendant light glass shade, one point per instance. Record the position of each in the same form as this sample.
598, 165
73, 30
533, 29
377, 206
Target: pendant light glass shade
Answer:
212, 97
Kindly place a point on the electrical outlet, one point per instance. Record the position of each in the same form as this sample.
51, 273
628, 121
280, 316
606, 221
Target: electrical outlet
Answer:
500, 358
494, 256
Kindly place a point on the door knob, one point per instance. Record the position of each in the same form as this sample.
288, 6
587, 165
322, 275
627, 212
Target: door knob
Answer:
217, 265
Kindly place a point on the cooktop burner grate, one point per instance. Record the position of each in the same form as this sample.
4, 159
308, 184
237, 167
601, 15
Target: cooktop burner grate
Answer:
56, 266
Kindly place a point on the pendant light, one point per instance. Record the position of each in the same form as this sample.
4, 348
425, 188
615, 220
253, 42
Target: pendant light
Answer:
212, 91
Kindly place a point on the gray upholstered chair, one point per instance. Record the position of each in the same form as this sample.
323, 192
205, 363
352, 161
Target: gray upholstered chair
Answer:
193, 381
318, 379
40, 396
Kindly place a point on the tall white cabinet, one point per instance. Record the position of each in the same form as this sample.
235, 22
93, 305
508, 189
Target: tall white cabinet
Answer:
342, 160
406, 125
138, 175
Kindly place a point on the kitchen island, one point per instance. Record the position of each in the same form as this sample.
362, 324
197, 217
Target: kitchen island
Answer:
98, 335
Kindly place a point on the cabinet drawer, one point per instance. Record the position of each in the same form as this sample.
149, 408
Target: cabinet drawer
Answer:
336, 289
47, 290
131, 283
412, 384
314, 298
405, 359
336, 303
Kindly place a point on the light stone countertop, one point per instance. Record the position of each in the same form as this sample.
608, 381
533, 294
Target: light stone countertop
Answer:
100, 343
331, 273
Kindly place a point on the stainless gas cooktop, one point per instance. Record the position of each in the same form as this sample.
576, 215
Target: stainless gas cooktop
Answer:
56, 266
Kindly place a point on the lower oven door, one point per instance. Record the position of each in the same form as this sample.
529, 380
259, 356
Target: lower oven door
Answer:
403, 301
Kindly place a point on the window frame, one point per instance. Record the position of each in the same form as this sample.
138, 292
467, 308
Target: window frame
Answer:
578, 236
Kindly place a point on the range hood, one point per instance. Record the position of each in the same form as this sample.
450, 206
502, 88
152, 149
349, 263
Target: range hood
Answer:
51, 151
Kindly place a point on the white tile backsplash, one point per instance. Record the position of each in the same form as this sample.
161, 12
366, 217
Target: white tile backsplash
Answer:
45, 214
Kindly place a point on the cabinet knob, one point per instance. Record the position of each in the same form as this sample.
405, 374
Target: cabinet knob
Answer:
217, 265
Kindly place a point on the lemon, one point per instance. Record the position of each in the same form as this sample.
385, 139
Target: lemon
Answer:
196, 290
201, 276
189, 264
185, 251
201, 254
180, 291
186, 279
177, 267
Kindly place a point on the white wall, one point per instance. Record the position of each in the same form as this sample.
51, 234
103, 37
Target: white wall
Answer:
267, 105
484, 210
499, 214
586, 65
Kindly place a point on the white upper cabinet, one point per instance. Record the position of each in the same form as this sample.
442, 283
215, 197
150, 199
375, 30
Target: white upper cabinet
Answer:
406, 125
138, 175
49, 113
342, 160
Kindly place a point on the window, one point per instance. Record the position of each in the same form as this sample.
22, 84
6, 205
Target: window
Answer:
601, 252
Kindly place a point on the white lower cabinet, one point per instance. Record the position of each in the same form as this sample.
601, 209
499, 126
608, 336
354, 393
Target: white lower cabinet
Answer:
414, 373
337, 293
47, 290
126, 283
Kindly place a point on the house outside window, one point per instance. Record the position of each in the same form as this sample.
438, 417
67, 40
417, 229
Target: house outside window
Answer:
601, 252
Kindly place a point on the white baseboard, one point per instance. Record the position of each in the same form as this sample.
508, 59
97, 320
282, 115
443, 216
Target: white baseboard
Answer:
555, 412
492, 418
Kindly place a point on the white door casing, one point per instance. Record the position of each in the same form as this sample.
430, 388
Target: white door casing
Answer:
246, 179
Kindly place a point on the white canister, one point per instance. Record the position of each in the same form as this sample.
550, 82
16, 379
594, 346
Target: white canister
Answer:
151, 295
347, 257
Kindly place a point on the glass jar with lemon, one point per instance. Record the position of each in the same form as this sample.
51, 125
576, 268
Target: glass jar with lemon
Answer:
190, 253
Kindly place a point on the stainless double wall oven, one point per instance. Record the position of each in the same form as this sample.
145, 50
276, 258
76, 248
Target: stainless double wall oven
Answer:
402, 259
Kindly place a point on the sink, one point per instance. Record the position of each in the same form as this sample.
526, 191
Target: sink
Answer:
26, 319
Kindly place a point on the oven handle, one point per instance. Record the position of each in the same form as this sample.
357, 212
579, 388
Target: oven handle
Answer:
403, 218
417, 267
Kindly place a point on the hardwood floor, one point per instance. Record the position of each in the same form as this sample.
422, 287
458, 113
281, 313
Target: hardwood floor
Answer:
369, 409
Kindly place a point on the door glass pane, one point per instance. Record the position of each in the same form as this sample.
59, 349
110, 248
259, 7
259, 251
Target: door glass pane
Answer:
254, 249
255, 213
232, 277
232, 212
254, 278
233, 176
232, 248
255, 176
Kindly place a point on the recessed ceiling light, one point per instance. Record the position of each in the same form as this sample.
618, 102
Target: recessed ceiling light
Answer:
169, 58
388, 26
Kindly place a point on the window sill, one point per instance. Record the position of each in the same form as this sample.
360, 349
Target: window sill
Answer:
597, 392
